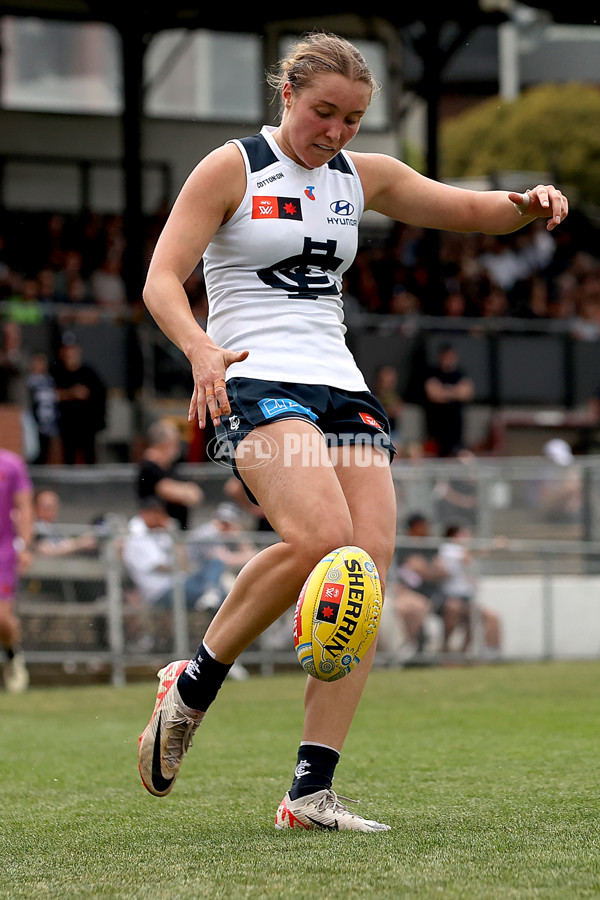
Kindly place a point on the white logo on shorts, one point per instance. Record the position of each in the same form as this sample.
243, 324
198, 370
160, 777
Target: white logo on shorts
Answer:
234, 422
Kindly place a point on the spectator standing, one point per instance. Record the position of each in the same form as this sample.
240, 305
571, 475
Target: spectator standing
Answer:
13, 366
385, 389
82, 403
447, 390
16, 529
44, 406
158, 477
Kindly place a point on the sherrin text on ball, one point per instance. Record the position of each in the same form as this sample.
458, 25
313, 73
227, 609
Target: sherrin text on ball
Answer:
337, 613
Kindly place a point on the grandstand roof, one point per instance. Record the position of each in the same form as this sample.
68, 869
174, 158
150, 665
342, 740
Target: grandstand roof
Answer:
154, 16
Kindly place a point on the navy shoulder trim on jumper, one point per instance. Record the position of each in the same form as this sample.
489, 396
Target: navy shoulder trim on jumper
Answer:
259, 153
340, 163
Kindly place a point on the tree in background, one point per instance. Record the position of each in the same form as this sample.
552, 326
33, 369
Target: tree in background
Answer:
552, 128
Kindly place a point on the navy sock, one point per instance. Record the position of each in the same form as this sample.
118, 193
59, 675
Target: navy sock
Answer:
314, 770
200, 681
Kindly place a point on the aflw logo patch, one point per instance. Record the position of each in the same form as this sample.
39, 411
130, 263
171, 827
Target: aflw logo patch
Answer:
276, 208
329, 604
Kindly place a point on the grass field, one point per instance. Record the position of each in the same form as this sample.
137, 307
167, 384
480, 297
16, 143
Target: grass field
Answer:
489, 776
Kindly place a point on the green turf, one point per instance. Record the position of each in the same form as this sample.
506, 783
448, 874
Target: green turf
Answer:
489, 777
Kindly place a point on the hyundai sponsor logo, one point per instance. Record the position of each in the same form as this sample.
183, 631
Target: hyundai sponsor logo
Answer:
341, 208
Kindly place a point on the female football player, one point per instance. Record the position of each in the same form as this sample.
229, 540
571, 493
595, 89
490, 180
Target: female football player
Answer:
274, 218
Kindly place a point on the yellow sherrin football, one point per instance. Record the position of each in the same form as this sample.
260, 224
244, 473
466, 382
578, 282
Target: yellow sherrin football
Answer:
337, 613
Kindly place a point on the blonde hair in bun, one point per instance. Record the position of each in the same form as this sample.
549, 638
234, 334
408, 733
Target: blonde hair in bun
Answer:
320, 53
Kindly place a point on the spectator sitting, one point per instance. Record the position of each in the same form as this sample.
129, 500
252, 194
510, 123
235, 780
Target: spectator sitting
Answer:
152, 557
149, 552
47, 286
218, 550
157, 473
561, 492
24, 305
458, 607
50, 539
78, 305
70, 270
418, 577
107, 285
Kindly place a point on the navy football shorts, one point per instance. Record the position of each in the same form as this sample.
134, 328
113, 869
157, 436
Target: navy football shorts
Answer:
344, 418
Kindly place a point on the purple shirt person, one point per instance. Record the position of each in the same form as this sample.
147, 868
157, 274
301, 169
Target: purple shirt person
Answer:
16, 527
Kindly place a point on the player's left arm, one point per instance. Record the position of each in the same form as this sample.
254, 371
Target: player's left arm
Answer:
396, 190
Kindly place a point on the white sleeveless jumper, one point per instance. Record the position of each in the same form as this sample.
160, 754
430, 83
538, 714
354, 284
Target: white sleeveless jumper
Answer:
274, 270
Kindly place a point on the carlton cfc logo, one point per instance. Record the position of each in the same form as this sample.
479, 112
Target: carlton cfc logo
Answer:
341, 208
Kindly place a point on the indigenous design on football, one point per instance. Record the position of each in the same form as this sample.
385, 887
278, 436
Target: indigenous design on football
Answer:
337, 613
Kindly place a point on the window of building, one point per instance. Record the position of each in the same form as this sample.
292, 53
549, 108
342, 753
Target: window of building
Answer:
205, 75
51, 66
55, 66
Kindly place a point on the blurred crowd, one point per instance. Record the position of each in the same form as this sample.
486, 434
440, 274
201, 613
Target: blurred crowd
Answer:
55, 259
530, 274
78, 261
69, 270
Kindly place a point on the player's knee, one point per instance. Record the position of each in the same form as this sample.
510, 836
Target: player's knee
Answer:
381, 549
321, 539
383, 553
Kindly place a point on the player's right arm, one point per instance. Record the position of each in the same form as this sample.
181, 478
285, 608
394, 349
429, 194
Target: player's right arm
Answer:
209, 197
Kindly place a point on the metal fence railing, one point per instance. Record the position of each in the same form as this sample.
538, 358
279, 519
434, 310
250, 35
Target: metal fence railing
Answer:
85, 610
519, 497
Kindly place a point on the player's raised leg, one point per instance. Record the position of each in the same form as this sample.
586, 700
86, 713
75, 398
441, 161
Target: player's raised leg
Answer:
314, 519
330, 706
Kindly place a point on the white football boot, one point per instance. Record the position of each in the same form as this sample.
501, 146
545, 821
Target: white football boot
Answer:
168, 736
322, 810
16, 676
